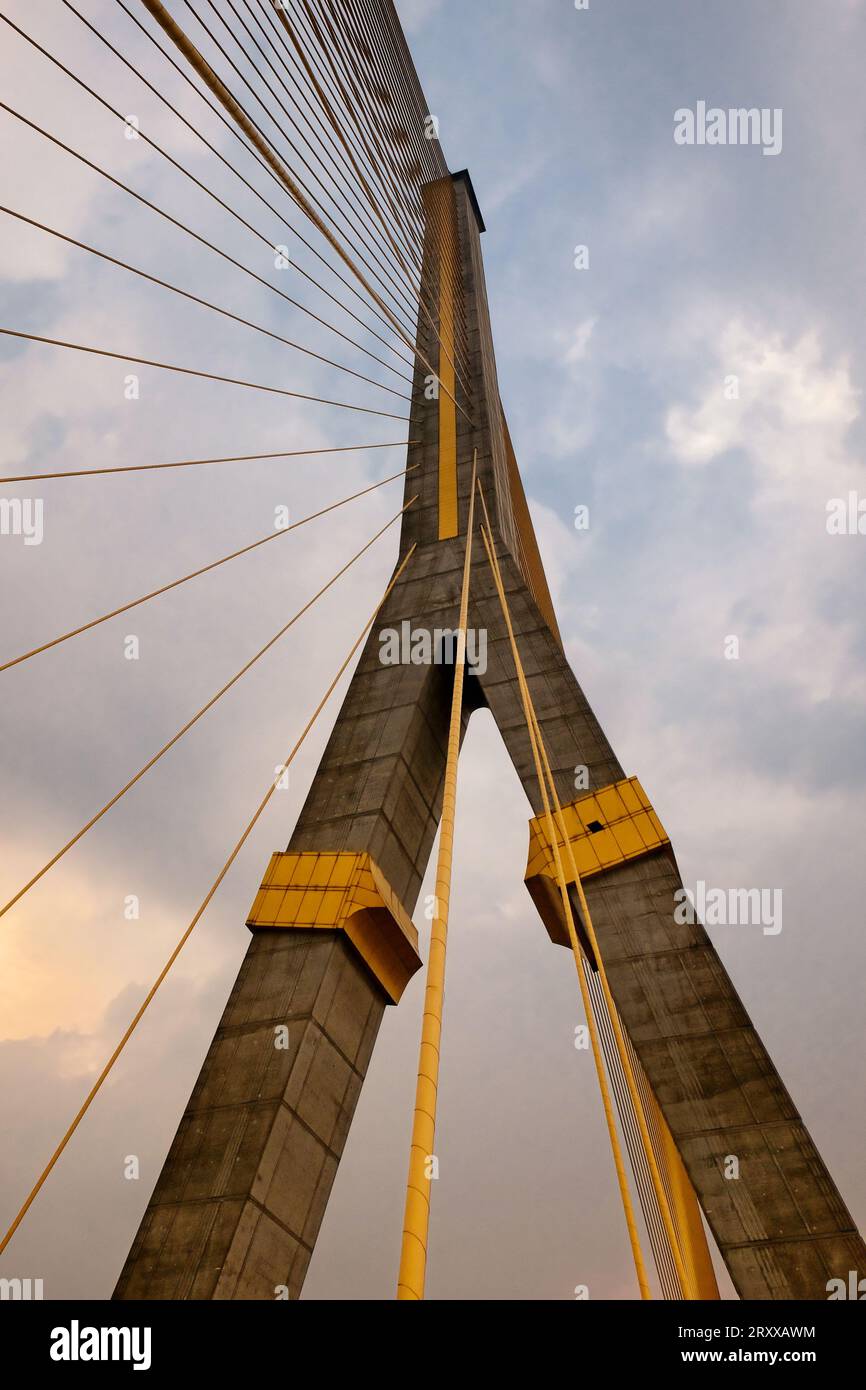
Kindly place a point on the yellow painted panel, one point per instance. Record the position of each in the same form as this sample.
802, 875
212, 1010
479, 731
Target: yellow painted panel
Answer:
626, 835
606, 848
586, 858
309, 906
325, 893
587, 809
255, 910
610, 805
644, 799
328, 911
272, 899
631, 828
630, 798
305, 865
645, 828
269, 871
291, 906
327, 865
343, 871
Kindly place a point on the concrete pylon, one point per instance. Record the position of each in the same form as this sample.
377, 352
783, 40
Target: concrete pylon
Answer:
243, 1190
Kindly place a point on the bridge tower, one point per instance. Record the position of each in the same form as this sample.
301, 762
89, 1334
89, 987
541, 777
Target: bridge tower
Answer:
238, 1205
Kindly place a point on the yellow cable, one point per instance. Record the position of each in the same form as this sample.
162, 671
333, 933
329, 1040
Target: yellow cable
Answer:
224, 95
686, 1283
622, 1181
416, 1219
195, 574
196, 463
683, 1275
188, 932
175, 738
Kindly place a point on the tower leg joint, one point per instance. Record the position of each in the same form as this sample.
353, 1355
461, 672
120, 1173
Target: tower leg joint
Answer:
343, 891
606, 828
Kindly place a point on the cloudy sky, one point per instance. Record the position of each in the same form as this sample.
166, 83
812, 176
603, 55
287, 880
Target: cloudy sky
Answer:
708, 509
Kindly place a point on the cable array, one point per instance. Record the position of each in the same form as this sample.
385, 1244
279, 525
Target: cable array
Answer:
296, 141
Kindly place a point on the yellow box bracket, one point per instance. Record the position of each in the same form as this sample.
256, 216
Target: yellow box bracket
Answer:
606, 828
341, 892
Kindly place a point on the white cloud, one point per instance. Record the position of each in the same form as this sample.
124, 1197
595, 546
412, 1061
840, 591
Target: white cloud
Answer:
578, 348
785, 394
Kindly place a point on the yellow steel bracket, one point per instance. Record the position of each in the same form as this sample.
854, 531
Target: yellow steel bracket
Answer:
341, 892
606, 828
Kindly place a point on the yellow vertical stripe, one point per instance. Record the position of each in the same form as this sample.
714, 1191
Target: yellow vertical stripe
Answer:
448, 523
687, 1216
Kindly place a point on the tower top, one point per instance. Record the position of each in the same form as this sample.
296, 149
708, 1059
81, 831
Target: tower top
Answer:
463, 174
